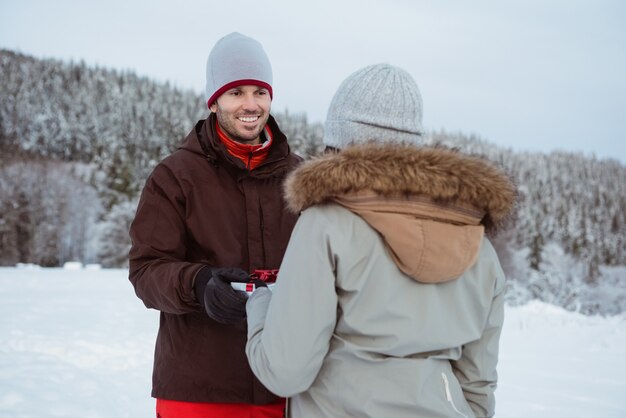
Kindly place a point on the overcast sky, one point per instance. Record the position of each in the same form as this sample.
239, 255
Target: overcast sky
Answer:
535, 75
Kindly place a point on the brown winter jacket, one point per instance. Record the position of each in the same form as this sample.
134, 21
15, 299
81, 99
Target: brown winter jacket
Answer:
202, 207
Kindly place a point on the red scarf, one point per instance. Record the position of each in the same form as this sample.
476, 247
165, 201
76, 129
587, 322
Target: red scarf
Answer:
251, 155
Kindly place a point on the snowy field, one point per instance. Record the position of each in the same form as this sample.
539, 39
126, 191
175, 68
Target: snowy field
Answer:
78, 343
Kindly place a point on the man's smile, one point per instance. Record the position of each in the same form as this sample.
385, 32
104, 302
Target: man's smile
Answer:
248, 118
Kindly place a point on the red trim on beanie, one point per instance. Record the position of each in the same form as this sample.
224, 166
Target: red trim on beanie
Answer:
237, 83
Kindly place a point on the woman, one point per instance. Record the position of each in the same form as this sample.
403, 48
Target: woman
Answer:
389, 300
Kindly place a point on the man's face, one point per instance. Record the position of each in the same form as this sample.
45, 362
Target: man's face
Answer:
242, 112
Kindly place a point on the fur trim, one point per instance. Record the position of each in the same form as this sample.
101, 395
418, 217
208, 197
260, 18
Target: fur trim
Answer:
444, 175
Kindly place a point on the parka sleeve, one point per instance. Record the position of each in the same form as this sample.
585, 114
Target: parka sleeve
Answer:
476, 369
158, 272
289, 337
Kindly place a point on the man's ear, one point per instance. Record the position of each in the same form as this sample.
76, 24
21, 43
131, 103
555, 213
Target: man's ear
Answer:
213, 107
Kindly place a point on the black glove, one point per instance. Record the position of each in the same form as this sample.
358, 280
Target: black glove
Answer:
221, 302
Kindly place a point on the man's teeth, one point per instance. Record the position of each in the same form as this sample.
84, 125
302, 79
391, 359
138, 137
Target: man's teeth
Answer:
248, 118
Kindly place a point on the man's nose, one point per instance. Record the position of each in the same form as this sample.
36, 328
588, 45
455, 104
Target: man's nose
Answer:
249, 101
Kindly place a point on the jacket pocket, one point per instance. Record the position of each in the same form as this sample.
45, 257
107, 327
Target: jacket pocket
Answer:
446, 385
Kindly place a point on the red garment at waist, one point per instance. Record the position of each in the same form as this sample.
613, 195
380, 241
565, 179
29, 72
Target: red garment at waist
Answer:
177, 409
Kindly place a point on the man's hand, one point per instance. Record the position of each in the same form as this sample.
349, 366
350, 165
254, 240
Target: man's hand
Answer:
221, 302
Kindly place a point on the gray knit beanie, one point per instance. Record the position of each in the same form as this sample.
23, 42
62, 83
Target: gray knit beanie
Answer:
236, 60
379, 102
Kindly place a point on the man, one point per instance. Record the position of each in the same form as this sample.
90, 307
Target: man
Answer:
390, 298
209, 214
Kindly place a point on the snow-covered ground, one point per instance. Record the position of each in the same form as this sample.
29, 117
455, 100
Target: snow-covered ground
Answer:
78, 343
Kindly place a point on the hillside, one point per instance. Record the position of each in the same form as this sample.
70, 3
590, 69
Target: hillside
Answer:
77, 142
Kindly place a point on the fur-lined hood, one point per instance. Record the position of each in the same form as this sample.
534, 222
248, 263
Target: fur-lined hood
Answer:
442, 175
430, 205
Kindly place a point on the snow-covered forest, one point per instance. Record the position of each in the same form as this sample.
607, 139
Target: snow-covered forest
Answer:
77, 143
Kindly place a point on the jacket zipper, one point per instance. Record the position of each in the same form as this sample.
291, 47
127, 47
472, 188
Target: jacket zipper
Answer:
261, 222
249, 161
446, 385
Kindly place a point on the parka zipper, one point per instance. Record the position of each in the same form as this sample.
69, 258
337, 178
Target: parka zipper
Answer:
446, 385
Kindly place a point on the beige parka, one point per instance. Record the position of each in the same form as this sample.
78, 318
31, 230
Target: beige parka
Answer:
389, 301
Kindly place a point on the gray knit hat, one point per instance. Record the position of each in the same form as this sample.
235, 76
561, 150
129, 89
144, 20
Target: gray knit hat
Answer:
236, 60
379, 102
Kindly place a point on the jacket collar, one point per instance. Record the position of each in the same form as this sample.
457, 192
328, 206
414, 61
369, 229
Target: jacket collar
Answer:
204, 140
